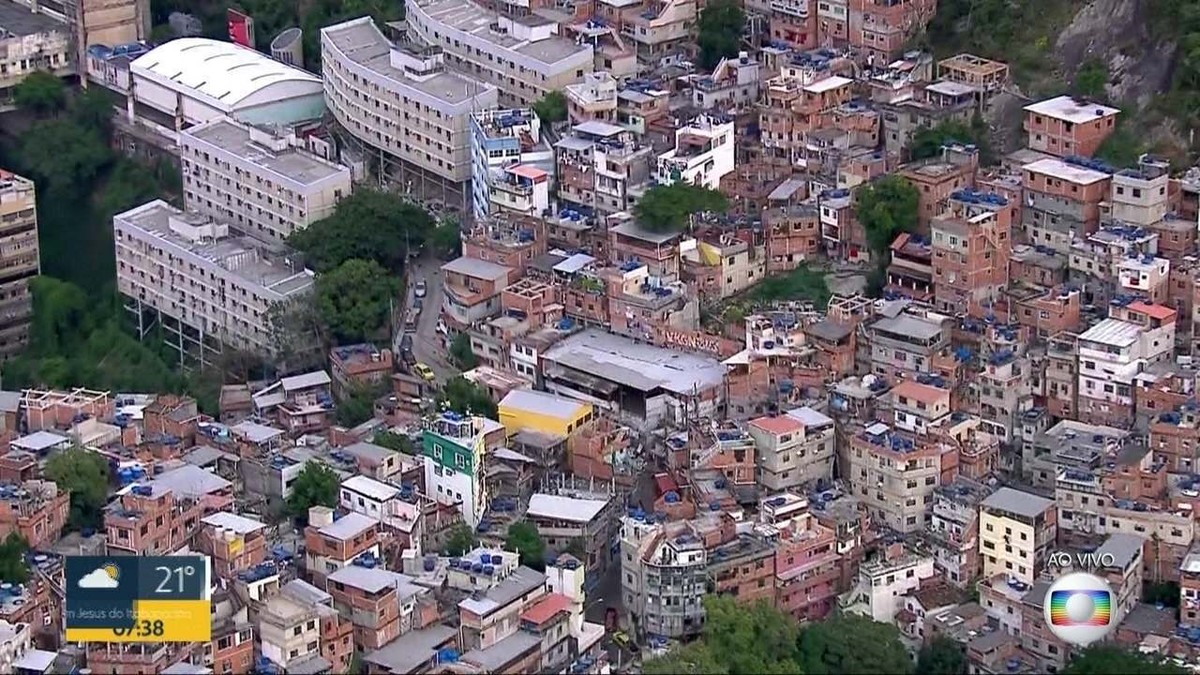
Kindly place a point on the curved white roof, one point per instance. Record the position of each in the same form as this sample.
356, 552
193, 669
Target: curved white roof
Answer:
224, 74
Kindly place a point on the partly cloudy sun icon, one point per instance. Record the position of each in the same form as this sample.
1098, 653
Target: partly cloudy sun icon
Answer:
105, 576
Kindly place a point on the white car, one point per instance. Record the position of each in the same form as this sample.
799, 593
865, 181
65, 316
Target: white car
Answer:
420, 289
441, 327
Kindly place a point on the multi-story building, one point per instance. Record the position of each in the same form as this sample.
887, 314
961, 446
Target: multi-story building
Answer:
512, 165
563, 521
20, 260
599, 165
1065, 126
35, 509
473, 290
1016, 531
214, 286
905, 345
96, 22
1062, 201
703, 153
808, 567
937, 179
299, 622
593, 99
529, 410
454, 447
724, 265
524, 57
31, 42
256, 180
379, 602
357, 367
884, 580
1111, 354
664, 571
398, 99
333, 542
896, 475
300, 404
794, 449
953, 532
971, 248
233, 542
733, 82
659, 32
1139, 195
162, 515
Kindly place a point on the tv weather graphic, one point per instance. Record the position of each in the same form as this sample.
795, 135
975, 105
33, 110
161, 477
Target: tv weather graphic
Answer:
1080, 609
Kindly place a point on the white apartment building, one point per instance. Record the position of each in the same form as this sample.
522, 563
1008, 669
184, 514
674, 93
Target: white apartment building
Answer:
1016, 531
663, 578
703, 153
599, 166
512, 165
289, 622
734, 82
1111, 354
20, 259
595, 98
257, 181
523, 56
1139, 196
213, 285
884, 581
400, 101
794, 449
30, 42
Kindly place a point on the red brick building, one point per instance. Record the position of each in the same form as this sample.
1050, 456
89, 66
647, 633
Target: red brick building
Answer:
1065, 126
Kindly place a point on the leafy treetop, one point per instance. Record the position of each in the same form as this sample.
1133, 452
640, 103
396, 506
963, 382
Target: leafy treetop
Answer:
942, 656
738, 639
85, 475
367, 225
461, 352
354, 300
315, 485
853, 644
887, 207
720, 27
666, 208
552, 107
523, 538
1111, 660
13, 568
461, 395
42, 92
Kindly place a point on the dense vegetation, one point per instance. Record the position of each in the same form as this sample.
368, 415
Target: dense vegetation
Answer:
928, 142
461, 353
802, 283
13, 568
462, 395
885, 207
85, 475
316, 485
523, 538
1110, 660
552, 107
720, 32
668, 208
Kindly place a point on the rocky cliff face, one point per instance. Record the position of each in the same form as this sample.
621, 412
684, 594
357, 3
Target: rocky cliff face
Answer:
1116, 33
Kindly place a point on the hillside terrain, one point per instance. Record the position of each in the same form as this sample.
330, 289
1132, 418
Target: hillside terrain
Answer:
1141, 55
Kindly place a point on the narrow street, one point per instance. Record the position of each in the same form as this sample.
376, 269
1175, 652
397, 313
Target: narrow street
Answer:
426, 341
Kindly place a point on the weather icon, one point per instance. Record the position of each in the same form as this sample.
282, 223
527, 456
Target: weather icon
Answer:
105, 576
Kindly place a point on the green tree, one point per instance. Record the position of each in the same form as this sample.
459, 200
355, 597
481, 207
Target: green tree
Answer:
394, 441
552, 107
942, 656
13, 567
523, 538
1166, 592
85, 475
1112, 660
1091, 79
853, 644
928, 141
446, 238
357, 406
41, 92
461, 353
887, 207
738, 639
460, 541
1122, 148
462, 395
315, 485
64, 157
367, 225
298, 339
667, 208
802, 283
355, 299
720, 26
129, 184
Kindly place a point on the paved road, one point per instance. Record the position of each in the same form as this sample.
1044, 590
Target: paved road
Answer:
426, 341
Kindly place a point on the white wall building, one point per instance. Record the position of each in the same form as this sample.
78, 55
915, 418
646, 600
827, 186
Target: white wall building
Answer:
663, 579
883, 582
525, 57
214, 283
30, 42
512, 165
1111, 354
190, 81
401, 101
257, 181
703, 153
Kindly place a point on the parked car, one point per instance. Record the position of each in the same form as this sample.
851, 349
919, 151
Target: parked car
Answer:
420, 289
424, 372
